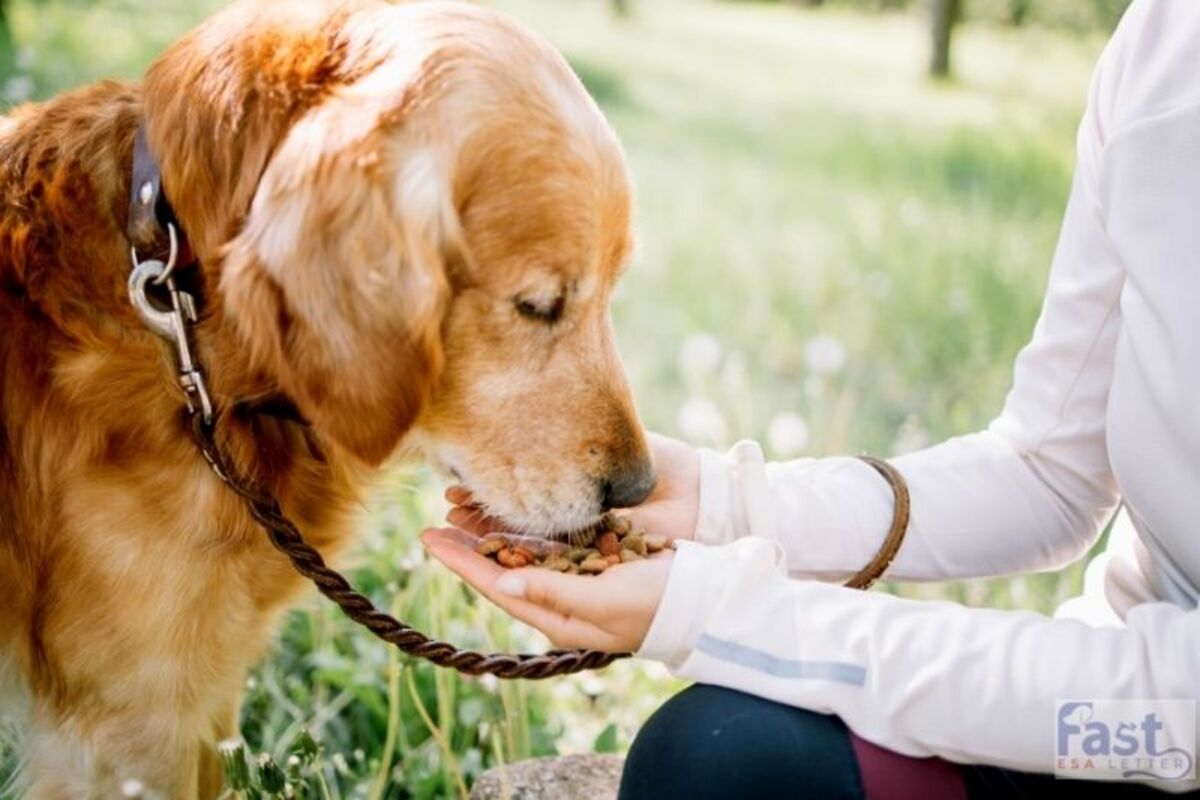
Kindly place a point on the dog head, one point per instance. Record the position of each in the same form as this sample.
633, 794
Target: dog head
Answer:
413, 217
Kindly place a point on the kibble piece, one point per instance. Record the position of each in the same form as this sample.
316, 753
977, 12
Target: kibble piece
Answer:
608, 544
621, 526
656, 542
594, 565
636, 543
490, 546
558, 563
513, 558
613, 541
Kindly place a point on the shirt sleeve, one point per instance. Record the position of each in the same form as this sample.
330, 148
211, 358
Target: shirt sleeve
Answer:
939, 679
1029, 493
920, 678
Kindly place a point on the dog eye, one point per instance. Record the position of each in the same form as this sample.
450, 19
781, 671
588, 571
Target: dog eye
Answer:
548, 312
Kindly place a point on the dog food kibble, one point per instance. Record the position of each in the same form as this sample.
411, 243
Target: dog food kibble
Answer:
608, 544
612, 541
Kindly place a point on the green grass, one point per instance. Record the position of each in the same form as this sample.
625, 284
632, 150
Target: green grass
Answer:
798, 177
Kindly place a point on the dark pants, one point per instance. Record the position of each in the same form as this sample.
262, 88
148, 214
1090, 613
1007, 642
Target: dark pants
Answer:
708, 742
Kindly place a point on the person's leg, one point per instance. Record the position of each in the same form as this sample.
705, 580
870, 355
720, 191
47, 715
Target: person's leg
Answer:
708, 742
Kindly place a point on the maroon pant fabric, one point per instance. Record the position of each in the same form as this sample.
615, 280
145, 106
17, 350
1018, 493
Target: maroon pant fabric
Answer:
890, 776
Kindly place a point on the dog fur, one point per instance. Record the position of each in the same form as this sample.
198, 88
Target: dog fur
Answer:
408, 221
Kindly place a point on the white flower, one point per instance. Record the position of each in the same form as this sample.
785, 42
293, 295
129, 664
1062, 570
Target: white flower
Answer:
787, 434
700, 354
700, 421
824, 355
229, 746
132, 788
18, 89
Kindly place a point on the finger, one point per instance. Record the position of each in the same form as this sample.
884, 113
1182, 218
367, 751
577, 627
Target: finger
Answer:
459, 495
485, 575
473, 520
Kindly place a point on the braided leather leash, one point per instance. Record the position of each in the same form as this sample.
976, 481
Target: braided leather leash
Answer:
152, 226
308, 562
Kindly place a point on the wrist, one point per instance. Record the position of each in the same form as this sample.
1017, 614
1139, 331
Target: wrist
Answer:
701, 580
735, 499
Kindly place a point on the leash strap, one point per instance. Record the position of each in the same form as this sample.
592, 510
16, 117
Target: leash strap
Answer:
152, 228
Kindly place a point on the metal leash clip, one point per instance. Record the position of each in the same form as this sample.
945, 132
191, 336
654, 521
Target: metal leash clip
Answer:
171, 324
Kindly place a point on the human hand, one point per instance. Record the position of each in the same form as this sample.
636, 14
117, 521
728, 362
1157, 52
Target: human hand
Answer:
671, 509
610, 612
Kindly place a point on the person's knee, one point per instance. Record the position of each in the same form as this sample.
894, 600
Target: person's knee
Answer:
713, 742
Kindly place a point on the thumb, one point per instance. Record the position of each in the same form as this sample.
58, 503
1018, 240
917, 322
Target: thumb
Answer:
567, 595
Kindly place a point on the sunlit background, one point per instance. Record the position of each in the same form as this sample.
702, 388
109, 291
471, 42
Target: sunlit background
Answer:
837, 252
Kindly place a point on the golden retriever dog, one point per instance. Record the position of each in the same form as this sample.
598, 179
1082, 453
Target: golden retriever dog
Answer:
407, 222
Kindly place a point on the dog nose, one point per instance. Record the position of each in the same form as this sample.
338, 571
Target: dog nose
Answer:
628, 487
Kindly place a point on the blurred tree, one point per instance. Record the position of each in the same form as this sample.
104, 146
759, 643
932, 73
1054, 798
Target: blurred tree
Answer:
945, 14
620, 7
8, 50
1018, 11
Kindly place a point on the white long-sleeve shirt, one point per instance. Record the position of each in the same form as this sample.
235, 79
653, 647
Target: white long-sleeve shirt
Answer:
1105, 406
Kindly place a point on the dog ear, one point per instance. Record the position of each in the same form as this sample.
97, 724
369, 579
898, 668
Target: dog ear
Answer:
337, 281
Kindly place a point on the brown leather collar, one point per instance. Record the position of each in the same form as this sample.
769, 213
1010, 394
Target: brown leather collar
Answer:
150, 212
148, 230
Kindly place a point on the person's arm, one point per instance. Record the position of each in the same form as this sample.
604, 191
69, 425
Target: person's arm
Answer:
1029, 493
917, 677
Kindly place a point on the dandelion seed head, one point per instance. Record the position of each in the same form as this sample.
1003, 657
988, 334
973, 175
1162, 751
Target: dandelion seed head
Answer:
787, 434
824, 355
18, 89
700, 421
228, 747
700, 354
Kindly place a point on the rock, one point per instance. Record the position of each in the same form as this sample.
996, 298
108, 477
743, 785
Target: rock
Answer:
578, 777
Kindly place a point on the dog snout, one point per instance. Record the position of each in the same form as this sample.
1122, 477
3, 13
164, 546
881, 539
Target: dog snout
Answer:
628, 486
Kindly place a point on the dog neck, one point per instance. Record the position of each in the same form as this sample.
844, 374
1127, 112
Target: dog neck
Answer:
62, 251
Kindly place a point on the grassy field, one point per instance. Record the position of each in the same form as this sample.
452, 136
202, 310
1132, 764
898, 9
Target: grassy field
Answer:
835, 255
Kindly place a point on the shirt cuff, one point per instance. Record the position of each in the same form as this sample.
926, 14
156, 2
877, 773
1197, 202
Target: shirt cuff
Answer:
699, 579
686, 603
734, 498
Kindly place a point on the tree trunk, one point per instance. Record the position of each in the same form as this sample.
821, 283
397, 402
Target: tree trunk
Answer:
945, 15
8, 49
1018, 12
